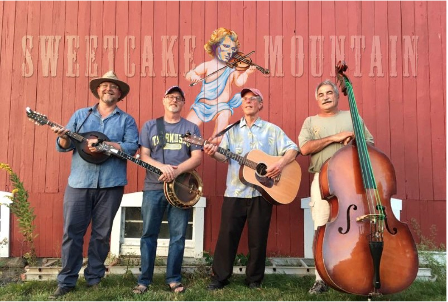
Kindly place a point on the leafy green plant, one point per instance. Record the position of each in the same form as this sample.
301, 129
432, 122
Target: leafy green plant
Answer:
426, 243
208, 258
428, 249
241, 259
22, 209
130, 259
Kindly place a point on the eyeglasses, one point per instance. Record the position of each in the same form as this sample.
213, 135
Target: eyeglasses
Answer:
251, 99
174, 98
112, 86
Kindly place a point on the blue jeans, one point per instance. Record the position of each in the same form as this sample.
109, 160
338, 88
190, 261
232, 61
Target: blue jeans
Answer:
81, 208
154, 205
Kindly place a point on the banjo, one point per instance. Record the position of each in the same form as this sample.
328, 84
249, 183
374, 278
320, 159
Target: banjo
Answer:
183, 192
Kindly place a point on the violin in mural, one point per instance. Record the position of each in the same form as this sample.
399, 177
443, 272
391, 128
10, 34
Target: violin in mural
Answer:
78, 139
363, 249
242, 62
239, 62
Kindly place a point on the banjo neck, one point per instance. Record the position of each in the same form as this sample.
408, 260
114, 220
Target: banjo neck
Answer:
139, 162
183, 192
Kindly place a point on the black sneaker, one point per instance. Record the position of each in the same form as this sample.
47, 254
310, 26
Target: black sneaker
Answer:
254, 285
93, 286
215, 284
60, 291
93, 283
319, 287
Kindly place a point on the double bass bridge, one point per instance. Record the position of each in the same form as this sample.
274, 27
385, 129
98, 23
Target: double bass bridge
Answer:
372, 217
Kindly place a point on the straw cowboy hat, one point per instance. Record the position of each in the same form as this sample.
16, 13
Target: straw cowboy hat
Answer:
109, 76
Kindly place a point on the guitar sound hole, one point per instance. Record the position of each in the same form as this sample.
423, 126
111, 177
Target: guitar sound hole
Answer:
261, 169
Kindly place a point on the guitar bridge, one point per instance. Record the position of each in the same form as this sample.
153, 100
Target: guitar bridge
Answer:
277, 179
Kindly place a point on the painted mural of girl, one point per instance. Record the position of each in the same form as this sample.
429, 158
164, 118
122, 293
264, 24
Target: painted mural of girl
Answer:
215, 100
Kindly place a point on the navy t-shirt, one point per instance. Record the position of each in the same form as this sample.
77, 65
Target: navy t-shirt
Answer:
176, 151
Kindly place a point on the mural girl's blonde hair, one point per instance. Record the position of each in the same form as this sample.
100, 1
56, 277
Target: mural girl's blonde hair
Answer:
217, 36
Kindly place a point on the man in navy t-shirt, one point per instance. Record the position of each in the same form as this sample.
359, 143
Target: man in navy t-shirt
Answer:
172, 157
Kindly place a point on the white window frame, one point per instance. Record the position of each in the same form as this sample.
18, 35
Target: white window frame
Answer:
194, 247
4, 223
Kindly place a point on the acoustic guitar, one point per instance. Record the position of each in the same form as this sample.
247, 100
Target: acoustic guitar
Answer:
78, 139
280, 190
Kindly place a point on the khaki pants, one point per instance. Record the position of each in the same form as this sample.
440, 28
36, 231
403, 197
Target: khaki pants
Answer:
320, 209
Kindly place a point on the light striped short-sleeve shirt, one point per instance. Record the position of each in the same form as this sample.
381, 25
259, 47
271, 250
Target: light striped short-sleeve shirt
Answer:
241, 139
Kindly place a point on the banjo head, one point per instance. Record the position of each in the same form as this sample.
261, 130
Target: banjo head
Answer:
185, 191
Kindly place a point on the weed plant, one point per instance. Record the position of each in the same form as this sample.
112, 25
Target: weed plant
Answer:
24, 212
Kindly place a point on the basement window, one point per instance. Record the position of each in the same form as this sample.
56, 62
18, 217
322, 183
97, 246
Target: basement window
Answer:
127, 229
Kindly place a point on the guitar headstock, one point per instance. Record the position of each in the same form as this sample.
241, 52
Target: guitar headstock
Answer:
193, 139
39, 119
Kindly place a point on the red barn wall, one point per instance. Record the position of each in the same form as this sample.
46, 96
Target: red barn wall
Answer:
49, 51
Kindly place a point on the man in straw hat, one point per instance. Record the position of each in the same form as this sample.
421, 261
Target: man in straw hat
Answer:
95, 188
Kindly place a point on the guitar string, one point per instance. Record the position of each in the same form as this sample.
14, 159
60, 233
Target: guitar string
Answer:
368, 177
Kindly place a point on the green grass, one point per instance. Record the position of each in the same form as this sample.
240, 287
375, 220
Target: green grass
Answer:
274, 288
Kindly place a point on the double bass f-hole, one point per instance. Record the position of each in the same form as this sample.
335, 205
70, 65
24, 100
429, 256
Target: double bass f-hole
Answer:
347, 229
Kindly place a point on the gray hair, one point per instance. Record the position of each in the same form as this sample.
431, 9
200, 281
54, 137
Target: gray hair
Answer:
328, 82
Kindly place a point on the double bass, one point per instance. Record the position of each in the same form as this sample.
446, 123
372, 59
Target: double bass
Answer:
363, 249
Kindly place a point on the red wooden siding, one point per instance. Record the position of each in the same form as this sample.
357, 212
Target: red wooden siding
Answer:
396, 57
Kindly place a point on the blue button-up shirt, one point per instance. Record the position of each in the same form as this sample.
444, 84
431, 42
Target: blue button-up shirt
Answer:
119, 127
241, 139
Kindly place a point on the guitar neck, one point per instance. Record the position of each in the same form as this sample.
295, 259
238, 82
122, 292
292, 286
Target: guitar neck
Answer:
240, 159
73, 135
139, 162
